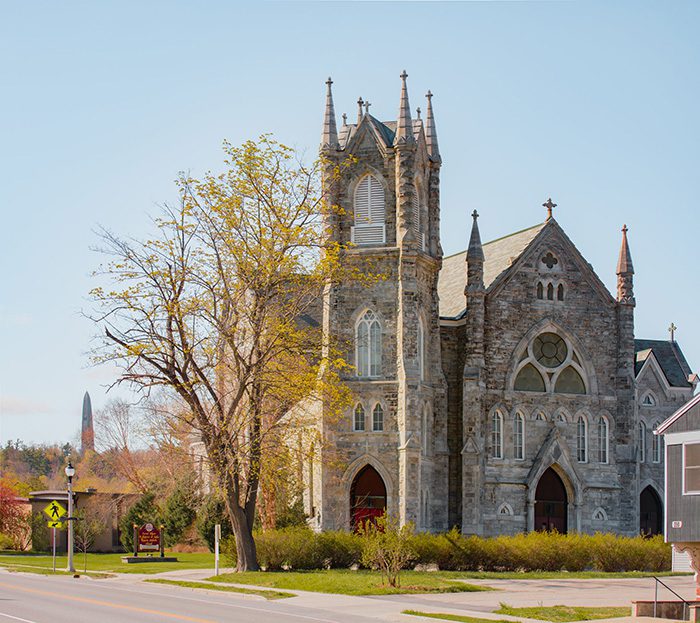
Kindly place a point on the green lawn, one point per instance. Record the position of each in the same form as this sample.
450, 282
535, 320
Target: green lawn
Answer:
346, 582
106, 562
453, 617
562, 614
224, 587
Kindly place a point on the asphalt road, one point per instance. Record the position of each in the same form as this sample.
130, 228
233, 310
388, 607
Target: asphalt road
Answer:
63, 599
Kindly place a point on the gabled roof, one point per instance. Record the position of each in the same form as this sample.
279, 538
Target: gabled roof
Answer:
666, 424
499, 254
668, 356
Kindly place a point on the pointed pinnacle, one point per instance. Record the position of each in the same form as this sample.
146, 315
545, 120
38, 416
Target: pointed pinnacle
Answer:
404, 126
624, 263
431, 139
329, 135
475, 250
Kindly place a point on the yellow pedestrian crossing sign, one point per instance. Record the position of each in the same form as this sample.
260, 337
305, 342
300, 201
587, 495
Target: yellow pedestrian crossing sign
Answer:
56, 524
54, 510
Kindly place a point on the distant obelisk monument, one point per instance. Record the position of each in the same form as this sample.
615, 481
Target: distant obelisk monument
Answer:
87, 432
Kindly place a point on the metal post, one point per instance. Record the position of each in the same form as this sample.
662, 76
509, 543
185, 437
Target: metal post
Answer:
136, 541
54, 550
70, 567
656, 594
162, 541
217, 537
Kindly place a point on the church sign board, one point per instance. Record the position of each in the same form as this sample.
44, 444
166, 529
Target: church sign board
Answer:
148, 538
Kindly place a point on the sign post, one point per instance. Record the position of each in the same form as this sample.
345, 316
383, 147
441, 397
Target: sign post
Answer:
217, 538
55, 512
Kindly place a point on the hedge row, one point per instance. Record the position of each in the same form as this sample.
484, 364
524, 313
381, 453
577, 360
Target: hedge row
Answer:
300, 548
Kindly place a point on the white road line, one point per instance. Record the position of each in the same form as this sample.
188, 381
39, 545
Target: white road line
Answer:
9, 616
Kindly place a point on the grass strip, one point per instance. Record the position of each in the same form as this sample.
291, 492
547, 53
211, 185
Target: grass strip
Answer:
45, 571
454, 617
346, 582
565, 614
230, 589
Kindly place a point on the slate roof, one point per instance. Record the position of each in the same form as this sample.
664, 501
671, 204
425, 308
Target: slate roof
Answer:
669, 357
499, 254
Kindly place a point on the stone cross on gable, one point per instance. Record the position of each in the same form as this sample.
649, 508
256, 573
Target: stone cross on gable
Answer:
672, 330
367, 105
550, 205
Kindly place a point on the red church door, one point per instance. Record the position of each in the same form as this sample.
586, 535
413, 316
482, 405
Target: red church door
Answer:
367, 497
550, 503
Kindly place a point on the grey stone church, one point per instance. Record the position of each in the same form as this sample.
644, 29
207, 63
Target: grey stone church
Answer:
501, 389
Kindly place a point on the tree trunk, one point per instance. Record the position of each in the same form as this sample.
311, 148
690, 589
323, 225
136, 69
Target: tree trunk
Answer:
246, 554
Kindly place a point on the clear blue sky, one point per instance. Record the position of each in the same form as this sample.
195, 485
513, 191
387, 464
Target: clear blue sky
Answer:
593, 103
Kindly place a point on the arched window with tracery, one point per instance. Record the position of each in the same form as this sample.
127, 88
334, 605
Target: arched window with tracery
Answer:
603, 436
369, 206
368, 344
497, 435
581, 439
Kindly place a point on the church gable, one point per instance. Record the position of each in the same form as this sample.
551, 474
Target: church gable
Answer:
555, 268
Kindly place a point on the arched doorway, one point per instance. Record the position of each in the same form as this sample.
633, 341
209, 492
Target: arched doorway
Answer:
650, 512
367, 496
550, 503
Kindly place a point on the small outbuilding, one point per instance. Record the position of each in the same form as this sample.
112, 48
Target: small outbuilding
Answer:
681, 434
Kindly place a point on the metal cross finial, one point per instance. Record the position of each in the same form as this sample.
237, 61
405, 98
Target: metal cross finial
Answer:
624, 229
403, 75
360, 101
329, 82
550, 205
367, 105
345, 119
672, 330
418, 112
475, 215
429, 95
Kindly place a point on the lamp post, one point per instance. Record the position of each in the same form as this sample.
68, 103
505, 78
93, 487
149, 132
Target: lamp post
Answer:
70, 472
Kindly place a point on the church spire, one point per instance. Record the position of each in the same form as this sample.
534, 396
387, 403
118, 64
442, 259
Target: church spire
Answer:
329, 136
404, 126
431, 140
475, 261
625, 270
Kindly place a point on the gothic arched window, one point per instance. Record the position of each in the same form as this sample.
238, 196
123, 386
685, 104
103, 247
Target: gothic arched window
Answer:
581, 439
497, 435
369, 206
378, 418
368, 344
569, 382
602, 439
421, 349
540, 290
519, 436
560, 292
529, 379
358, 422
550, 292
656, 442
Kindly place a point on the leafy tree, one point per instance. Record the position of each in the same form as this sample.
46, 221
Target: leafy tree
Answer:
387, 546
92, 520
213, 512
179, 511
213, 309
13, 522
144, 510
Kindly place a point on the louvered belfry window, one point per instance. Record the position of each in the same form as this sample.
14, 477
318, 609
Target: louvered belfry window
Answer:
369, 206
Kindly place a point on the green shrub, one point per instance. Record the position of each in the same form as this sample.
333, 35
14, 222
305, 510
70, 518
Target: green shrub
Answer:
340, 549
213, 512
387, 546
6, 541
